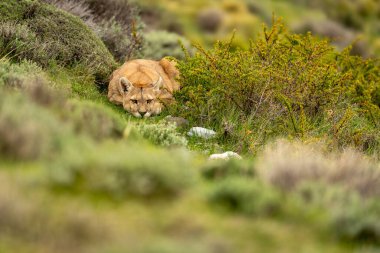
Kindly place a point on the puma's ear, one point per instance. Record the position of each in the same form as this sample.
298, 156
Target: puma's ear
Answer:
124, 85
157, 86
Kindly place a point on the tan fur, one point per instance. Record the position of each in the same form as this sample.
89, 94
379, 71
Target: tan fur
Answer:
143, 86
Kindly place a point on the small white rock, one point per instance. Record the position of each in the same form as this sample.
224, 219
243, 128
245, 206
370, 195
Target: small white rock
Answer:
201, 132
225, 156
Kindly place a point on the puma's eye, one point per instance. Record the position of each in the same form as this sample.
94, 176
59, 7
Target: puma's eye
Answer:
134, 101
149, 101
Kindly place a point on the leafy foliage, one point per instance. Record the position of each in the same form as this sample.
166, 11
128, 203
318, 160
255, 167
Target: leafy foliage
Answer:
283, 85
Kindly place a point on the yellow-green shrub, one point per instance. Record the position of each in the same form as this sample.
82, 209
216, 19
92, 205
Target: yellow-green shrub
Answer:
282, 85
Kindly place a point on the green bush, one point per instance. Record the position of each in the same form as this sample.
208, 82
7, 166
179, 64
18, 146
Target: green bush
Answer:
94, 120
27, 131
162, 134
120, 170
16, 75
158, 44
282, 85
246, 196
41, 33
358, 222
28, 78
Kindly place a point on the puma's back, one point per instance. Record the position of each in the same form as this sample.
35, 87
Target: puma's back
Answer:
141, 86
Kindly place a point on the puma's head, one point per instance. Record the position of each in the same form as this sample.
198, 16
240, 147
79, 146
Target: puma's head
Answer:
141, 101
143, 87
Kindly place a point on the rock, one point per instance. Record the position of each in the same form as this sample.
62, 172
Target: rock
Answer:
201, 132
178, 121
225, 156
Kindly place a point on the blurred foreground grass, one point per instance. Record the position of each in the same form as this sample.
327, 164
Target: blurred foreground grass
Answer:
36, 219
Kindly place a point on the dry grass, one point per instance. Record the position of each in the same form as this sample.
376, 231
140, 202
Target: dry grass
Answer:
287, 165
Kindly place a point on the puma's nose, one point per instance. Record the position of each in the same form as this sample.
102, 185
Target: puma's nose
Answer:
142, 113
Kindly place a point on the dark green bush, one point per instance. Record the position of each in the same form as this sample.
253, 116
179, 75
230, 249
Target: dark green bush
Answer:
41, 33
359, 221
122, 170
246, 196
282, 85
115, 22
